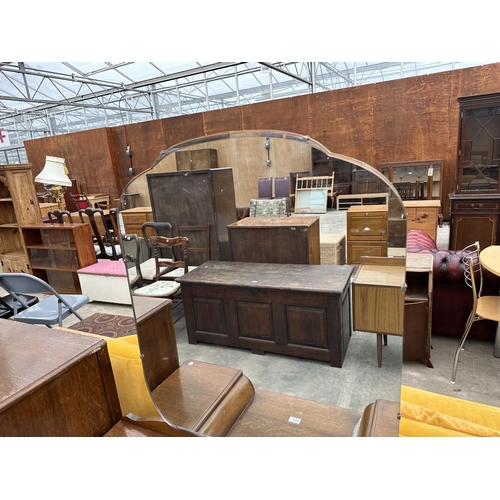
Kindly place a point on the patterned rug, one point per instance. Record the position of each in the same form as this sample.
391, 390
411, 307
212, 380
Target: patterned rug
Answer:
107, 325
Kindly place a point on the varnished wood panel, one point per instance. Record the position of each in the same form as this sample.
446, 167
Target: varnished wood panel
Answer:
156, 333
270, 413
55, 383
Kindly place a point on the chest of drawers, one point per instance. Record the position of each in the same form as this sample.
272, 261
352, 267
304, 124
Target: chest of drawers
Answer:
134, 218
366, 232
423, 215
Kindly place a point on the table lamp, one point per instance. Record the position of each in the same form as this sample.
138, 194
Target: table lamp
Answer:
54, 177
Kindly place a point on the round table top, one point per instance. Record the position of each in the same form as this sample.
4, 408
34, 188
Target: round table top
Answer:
490, 259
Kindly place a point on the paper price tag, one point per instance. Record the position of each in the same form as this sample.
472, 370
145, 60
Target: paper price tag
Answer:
294, 420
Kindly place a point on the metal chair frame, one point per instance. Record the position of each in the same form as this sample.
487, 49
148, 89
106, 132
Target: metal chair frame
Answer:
48, 311
482, 307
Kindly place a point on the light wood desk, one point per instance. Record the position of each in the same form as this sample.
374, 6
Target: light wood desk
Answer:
490, 260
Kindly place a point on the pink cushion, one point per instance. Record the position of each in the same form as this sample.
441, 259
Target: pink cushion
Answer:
108, 268
418, 241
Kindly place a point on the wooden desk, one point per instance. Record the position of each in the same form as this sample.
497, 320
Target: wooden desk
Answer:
95, 199
279, 240
292, 309
490, 260
55, 383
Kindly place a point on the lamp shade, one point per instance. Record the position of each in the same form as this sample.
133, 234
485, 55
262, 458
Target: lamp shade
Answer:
53, 172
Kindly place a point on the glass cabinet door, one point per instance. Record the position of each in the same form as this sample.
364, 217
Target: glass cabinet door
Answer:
479, 146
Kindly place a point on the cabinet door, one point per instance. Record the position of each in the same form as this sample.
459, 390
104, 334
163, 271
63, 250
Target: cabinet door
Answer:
416, 331
466, 229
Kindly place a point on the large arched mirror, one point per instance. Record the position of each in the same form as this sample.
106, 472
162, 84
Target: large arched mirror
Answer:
211, 180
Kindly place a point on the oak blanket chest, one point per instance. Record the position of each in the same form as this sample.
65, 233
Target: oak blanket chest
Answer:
293, 309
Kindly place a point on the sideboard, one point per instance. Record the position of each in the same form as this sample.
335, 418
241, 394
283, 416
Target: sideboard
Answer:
280, 240
293, 309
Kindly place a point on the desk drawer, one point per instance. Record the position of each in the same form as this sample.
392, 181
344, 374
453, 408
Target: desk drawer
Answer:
372, 226
487, 206
357, 249
133, 222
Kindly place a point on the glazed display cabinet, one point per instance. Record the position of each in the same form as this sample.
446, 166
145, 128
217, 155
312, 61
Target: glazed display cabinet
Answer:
475, 204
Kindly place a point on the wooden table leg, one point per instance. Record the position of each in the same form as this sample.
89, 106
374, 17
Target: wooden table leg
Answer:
379, 349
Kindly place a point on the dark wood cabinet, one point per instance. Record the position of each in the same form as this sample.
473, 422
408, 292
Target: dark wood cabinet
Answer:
280, 240
292, 309
196, 159
475, 204
365, 182
474, 217
418, 308
193, 198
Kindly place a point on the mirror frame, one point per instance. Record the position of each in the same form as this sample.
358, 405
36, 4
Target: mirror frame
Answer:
306, 140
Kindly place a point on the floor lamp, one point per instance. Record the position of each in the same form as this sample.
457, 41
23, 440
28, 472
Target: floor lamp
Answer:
54, 177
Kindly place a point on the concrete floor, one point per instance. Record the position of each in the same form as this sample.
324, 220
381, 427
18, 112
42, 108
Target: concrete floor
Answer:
359, 381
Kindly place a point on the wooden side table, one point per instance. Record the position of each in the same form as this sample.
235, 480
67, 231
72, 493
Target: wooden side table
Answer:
378, 298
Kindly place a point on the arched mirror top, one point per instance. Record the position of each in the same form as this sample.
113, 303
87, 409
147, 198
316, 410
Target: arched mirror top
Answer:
255, 154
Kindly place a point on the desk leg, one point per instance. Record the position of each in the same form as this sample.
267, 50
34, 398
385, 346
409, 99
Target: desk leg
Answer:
496, 350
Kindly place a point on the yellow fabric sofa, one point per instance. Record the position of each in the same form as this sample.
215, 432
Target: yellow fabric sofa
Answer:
132, 390
427, 414
126, 363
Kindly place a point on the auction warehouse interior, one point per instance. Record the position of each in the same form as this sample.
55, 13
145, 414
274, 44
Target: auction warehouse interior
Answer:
249, 249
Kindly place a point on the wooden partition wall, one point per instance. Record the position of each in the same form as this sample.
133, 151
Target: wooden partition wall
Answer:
402, 120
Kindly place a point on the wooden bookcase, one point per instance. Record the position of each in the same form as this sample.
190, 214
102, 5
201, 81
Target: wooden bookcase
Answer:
18, 206
55, 252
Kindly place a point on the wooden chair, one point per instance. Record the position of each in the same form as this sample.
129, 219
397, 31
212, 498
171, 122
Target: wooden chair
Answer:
168, 251
60, 216
105, 243
80, 200
482, 307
